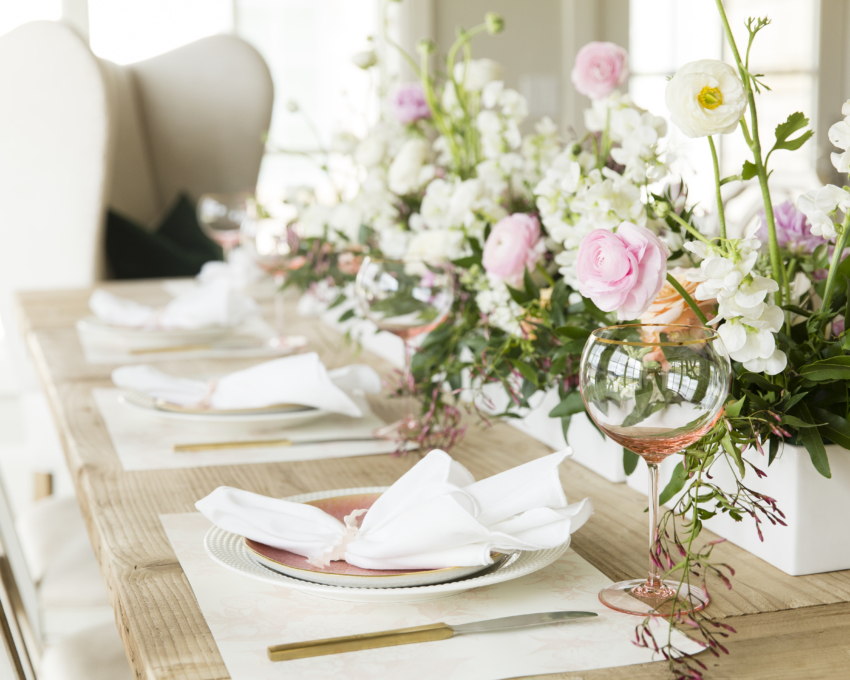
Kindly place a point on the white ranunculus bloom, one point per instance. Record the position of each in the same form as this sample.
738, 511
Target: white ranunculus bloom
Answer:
406, 169
706, 97
365, 59
479, 72
393, 242
313, 220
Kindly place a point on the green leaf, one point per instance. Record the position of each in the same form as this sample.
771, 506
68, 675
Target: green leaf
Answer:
837, 428
760, 380
467, 262
836, 368
675, 485
734, 410
812, 441
796, 121
630, 461
774, 448
793, 421
565, 428
573, 332
345, 316
530, 287
525, 370
570, 404
735, 454
519, 296
749, 171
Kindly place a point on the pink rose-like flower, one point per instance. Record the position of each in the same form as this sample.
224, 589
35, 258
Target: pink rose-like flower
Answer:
623, 271
599, 68
513, 245
409, 104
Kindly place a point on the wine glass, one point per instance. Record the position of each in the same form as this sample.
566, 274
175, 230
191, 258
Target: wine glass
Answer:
272, 243
221, 216
405, 298
654, 389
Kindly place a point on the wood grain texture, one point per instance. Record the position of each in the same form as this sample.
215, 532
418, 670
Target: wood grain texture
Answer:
789, 627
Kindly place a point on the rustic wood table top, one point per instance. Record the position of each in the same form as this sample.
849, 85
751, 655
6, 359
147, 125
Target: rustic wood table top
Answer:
788, 627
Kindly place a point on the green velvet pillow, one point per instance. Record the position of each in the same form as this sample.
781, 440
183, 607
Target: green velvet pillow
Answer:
177, 248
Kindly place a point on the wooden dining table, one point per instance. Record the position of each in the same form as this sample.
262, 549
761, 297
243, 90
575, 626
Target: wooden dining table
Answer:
787, 627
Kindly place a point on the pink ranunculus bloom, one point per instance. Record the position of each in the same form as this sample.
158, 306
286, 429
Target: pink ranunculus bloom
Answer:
513, 245
409, 104
623, 271
599, 68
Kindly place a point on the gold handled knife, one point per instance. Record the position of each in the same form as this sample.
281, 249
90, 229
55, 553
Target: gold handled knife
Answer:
406, 636
261, 443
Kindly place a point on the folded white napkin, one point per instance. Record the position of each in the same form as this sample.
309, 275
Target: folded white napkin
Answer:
240, 270
300, 379
215, 303
434, 516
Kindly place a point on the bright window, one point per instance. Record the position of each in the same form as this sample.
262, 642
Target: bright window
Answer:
665, 34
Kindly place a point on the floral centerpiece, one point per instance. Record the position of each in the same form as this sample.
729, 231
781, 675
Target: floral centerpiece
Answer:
551, 238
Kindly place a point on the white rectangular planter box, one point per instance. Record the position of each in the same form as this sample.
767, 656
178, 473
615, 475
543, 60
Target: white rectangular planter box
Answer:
591, 449
815, 508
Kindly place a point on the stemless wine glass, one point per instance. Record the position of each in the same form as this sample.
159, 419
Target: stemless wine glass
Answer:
405, 298
221, 216
655, 389
272, 243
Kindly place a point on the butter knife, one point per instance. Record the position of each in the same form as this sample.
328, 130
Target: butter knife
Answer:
406, 636
262, 443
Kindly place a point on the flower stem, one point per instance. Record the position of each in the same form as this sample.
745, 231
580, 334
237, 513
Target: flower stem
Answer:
776, 267
690, 229
836, 260
721, 216
687, 298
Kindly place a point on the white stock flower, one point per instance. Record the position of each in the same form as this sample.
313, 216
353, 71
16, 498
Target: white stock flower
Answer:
394, 242
706, 97
839, 135
314, 220
477, 73
435, 245
409, 170
346, 219
502, 312
820, 204
597, 116
370, 152
344, 142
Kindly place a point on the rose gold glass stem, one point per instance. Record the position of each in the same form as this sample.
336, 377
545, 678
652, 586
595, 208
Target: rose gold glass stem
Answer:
408, 400
653, 581
279, 304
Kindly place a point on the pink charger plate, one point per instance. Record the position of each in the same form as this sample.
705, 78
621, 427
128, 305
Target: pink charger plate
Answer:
340, 573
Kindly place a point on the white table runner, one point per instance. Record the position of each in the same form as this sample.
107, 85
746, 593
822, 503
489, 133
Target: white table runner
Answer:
145, 441
246, 616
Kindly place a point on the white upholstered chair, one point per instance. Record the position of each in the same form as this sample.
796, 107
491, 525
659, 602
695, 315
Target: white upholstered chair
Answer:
79, 135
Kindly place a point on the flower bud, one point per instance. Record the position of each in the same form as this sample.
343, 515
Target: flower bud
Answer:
494, 23
662, 209
425, 47
292, 106
365, 60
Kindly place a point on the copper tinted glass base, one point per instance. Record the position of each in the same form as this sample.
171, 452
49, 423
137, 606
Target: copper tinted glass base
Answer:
632, 597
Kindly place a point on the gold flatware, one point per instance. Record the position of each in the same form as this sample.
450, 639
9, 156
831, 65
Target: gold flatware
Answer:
174, 348
260, 443
406, 636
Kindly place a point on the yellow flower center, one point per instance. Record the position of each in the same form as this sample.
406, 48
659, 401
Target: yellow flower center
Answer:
710, 98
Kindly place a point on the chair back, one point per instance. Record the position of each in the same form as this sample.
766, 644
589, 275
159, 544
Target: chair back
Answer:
19, 612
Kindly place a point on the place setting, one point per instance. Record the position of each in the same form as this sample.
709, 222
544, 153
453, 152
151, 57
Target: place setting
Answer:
451, 568
290, 408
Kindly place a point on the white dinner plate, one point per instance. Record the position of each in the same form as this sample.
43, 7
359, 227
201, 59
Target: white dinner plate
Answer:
230, 551
153, 338
285, 416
